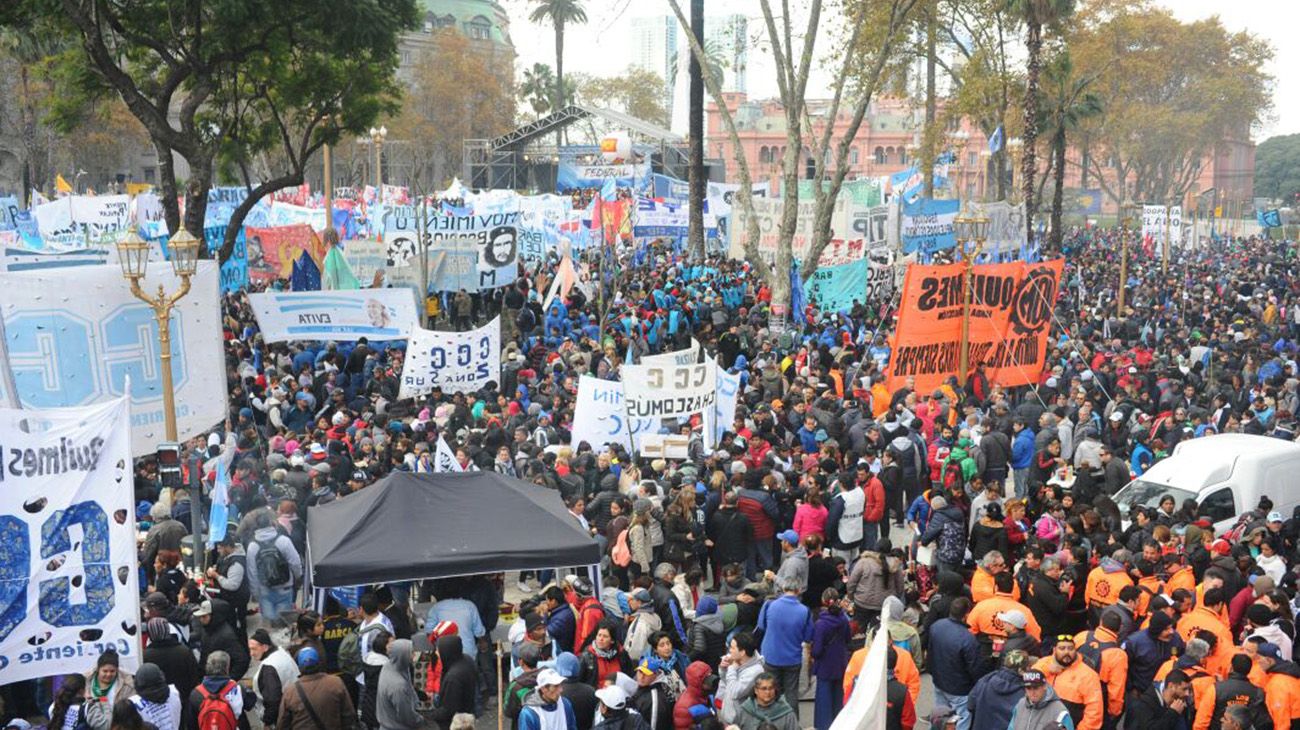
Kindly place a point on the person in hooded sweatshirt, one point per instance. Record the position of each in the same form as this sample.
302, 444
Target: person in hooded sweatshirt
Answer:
325, 693
1039, 709
994, 696
159, 703
217, 620
695, 695
580, 695
546, 708
458, 688
396, 700
767, 708
176, 661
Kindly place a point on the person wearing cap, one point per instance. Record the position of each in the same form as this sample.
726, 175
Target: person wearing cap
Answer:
579, 694
1149, 648
546, 708
531, 657
176, 660
993, 698
615, 712
318, 700
794, 560
1040, 708
218, 682
997, 616
219, 635
1281, 685
643, 622
1076, 684
276, 670
230, 577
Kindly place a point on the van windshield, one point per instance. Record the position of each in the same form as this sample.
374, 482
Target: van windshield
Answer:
1149, 494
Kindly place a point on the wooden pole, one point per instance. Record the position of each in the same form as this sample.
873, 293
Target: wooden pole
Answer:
501, 693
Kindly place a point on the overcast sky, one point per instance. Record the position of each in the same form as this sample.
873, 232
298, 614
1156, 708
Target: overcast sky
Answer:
601, 46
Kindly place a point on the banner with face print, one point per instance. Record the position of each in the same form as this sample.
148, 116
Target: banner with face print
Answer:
456, 362
378, 314
68, 577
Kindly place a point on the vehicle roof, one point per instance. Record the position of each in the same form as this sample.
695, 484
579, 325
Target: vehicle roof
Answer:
1198, 463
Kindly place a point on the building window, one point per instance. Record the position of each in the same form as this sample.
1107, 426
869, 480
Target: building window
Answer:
149, 174
429, 22
446, 21
972, 159
765, 154
880, 155
902, 156
479, 29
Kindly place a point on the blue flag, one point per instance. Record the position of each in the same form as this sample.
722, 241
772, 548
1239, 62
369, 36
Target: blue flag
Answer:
996, 141
219, 514
796, 295
609, 191
306, 274
1269, 218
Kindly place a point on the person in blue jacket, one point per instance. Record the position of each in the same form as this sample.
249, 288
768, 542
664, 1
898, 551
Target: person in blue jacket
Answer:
561, 624
545, 708
1022, 455
956, 662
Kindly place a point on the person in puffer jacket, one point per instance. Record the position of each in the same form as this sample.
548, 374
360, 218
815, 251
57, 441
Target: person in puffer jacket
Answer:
874, 577
994, 696
683, 718
947, 530
708, 637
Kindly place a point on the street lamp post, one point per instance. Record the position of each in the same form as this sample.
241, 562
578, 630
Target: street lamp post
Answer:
969, 228
133, 255
377, 136
1015, 146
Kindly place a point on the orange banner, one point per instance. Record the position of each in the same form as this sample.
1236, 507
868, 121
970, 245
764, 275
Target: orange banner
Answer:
1011, 319
272, 251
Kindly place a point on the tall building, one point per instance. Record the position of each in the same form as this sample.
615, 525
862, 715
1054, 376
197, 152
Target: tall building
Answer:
654, 46
657, 41
728, 35
484, 22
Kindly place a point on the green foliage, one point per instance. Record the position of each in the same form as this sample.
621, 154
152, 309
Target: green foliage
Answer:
538, 88
1277, 169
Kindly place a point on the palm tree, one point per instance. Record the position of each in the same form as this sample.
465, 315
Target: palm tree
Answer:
1036, 14
538, 88
716, 64
559, 13
1068, 103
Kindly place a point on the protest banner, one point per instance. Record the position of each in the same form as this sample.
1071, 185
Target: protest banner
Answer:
928, 225
600, 417
444, 459
22, 259
657, 391
366, 256
768, 211
724, 410
75, 335
489, 241
1153, 222
882, 273
272, 251
572, 176
687, 356
1175, 226
841, 276
1007, 234
288, 214
234, 273
1011, 315
669, 188
660, 219
721, 197
67, 541
8, 212
344, 315
456, 362
540, 217
867, 706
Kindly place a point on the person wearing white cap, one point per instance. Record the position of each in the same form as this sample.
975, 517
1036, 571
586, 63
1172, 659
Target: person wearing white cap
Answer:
545, 708
613, 712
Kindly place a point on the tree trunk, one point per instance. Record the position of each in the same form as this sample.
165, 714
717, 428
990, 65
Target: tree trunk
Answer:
167, 184
1029, 162
196, 199
695, 175
931, 103
1058, 192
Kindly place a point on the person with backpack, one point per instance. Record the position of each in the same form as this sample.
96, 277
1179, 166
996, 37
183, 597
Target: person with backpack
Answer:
947, 529
273, 566
1102, 651
218, 702
355, 646
318, 700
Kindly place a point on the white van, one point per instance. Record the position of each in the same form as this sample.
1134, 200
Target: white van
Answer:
1226, 474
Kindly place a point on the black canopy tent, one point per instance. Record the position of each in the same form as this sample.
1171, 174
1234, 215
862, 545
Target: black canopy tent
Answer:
420, 526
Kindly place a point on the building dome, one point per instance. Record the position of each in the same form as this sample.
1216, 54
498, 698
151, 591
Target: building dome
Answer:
482, 20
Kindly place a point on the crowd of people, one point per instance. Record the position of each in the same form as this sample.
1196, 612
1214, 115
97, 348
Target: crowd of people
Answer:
734, 579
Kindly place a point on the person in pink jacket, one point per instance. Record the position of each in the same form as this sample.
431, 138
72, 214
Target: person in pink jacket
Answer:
810, 516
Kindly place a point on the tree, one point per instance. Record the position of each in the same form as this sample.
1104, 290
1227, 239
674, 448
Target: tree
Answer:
637, 92
559, 13
1036, 15
1171, 93
29, 44
716, 60
231, 81
538, 88
440, 111
1068, 102
1277, 169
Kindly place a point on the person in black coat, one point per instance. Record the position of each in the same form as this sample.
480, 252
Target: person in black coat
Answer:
459, 688
219, 635
580, 694
1046, 599
175, 659
1162, 706
730, 533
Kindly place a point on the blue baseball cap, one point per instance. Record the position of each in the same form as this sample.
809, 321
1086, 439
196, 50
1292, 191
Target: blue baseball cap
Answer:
308, 658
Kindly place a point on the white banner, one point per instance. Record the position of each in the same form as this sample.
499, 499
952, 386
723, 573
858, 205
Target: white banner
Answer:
1176, 226
689, 356
75, 335
600, 418
1007, 231
1153, 221
867, 705
655, 391
377, 314
724, 411
722, 196
444, 460
67, 541
456, 362
768, 211
366, 257
880, 273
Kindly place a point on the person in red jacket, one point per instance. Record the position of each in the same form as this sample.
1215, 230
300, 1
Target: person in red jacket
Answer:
695, 696
873, 509
760, 508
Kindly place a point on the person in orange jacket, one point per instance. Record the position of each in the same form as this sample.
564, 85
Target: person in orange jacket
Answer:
1106, 581
1281, 687
983, 619
1205, 617
1214, 579
1191, 663
905, 671
1076, 684
982, 584
1235, 689
1101, 647
1181, 575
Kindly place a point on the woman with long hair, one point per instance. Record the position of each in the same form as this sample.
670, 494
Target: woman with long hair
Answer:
66, 709
604, 657
679, 539
127, 717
